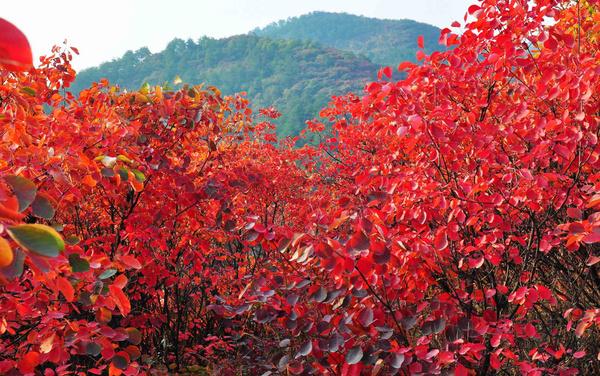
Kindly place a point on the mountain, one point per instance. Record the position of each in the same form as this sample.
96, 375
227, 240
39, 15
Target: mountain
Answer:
298, 78
384, 42
295, 65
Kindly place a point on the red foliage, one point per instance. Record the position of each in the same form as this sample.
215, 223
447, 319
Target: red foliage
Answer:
15, 53
449, 222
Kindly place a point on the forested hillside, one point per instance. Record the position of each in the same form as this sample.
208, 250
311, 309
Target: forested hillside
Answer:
298, 78
295, 65
384, 42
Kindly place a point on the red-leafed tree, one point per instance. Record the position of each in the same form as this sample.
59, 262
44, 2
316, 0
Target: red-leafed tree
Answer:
151, 191
459, 230
448, 223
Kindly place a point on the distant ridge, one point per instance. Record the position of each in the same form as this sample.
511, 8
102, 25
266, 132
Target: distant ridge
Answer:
383, 41
295, 65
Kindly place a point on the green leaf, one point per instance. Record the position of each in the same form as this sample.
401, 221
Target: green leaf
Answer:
28, 90
24, 189
78, 264
40, 239
145, 88
57, 226
93, 349
72, 240
42, 207
354, 355
139, 175
124, 173
107, 172
135, 336
107, 273
120, 362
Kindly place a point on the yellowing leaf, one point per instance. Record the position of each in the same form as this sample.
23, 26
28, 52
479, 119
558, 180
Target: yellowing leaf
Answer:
124, 158
46, 345
6, 253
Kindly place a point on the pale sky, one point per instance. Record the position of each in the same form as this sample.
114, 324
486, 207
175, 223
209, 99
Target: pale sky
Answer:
105, 29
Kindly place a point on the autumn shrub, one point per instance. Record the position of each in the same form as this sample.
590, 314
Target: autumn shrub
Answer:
448, 222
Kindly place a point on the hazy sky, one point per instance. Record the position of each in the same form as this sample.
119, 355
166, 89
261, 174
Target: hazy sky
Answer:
105, 29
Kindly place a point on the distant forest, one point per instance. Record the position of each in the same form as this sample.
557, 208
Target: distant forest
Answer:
295, 65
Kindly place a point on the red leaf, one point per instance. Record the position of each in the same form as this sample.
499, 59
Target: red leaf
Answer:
120, 299
421, 41
405, 65
492, 58
592, 238
461, 370
28, 362
530, 330
440, 242
592, 260
366, 317
388, 72
120, 281
131, 262
495, 341
574, 213
359, 242
65, 287
15, 53
473, 8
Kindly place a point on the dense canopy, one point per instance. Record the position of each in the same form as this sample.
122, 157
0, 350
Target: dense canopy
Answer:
447, 223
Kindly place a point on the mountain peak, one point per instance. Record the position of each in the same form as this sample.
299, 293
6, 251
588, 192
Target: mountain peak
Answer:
383, 41
295, 65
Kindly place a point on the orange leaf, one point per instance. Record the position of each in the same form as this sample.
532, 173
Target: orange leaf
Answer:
120, 281
120, 299
114, 371
10, 214
89, 181
66, 288
103, 315
135, 184
594, 201
6, 253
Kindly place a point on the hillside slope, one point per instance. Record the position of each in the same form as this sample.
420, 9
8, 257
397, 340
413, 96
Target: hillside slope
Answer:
384, 42
295, 65
296, 77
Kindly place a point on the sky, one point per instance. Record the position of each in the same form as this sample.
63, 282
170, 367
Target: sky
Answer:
105, 29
